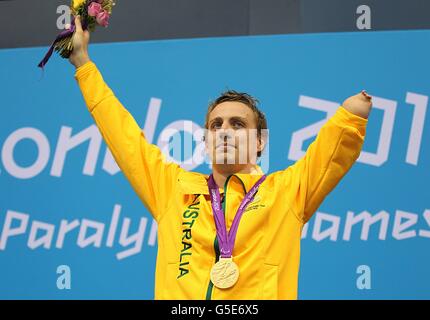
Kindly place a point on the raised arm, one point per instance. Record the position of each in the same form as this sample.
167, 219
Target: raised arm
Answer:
329, 157
141, 162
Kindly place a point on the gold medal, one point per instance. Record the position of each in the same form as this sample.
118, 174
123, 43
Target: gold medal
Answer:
224, 273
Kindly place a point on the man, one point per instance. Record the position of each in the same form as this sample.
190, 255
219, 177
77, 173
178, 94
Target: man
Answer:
249, 248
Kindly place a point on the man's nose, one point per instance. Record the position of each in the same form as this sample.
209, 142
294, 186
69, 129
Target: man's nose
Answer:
224, 134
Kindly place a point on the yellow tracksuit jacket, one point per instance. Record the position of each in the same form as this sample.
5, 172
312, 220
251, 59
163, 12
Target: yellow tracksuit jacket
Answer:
267, 248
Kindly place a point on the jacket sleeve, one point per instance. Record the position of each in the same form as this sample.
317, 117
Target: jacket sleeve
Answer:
142, 163
327, 159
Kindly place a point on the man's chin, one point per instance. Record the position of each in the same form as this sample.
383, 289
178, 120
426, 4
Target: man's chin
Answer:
226, 158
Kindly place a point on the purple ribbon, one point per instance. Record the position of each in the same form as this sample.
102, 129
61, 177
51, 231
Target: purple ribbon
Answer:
64, 34
61, 36
226, 241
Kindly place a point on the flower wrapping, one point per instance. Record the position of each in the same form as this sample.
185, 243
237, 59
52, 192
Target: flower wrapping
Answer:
92, 13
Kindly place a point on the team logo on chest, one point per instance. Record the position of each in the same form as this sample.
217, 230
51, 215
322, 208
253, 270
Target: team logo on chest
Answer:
255, 204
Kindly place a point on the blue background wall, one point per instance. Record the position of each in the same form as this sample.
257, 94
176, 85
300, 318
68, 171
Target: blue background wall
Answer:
186, 75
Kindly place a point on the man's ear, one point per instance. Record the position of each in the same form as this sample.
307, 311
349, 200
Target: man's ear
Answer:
262, 140
205, 140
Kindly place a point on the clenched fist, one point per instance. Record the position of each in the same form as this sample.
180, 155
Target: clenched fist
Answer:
81, 38
360, 104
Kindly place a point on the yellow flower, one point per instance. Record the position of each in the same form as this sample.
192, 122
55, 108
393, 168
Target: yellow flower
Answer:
77, 3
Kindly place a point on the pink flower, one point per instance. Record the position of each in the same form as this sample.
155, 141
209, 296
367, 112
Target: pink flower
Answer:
103, 18
94, 9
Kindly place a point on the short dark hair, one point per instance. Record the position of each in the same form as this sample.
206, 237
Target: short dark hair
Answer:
248, 100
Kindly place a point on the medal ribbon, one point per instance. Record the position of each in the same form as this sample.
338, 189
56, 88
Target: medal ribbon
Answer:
226, 241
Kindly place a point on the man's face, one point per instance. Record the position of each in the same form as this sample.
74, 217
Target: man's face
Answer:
232, 134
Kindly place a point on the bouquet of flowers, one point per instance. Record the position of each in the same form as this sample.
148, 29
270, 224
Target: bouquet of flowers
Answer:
92, 13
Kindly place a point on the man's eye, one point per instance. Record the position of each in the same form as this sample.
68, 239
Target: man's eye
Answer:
238, 125
215, 125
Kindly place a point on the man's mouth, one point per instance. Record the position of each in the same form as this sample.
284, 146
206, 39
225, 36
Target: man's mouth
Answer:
225, 145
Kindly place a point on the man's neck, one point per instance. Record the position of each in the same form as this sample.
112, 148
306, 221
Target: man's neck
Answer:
221, 173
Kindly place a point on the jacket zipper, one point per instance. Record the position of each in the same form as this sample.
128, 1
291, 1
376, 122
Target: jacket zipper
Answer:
216, 245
